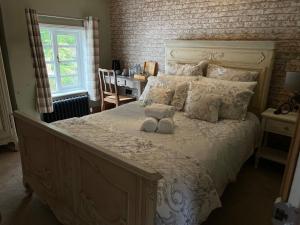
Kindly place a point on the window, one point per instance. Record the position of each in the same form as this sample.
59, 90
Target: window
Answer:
63, 49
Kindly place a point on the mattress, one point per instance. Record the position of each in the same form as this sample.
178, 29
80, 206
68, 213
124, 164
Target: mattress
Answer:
196, 162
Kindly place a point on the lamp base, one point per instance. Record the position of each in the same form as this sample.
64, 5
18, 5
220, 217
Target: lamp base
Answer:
291, 105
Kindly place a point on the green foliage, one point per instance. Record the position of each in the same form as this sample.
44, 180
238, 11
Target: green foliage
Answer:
69, 80
46, 36
67, 53
68, 68
48, 52
66, 39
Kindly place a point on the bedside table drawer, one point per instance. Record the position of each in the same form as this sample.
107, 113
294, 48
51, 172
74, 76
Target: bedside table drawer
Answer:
279, 127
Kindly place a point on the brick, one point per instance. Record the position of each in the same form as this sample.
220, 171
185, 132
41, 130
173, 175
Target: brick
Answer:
140, 28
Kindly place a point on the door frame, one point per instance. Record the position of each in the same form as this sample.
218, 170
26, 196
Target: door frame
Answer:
292, 160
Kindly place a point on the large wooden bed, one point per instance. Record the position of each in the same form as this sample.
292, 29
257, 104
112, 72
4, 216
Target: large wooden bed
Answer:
86, 184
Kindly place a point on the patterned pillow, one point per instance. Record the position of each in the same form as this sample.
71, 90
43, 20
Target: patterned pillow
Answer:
180, 95
159, 95
187, 69
167, 81
231, 74
235, 96
244, 85
152, 81
202, 106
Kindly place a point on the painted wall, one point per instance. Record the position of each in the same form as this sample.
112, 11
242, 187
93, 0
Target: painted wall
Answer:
140, 28
15, 33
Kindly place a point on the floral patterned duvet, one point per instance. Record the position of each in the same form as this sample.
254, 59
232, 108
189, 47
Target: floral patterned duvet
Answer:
196, 162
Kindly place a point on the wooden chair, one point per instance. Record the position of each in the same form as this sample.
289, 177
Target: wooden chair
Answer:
109, 89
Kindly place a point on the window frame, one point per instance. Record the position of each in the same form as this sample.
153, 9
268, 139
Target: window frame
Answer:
78, 32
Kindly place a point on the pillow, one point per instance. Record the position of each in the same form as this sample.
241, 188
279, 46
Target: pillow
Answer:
180, 95
152, 81
159, 95
179, 84
235, 96
187, 69
202, 106
244, 85
231, 74
167, 81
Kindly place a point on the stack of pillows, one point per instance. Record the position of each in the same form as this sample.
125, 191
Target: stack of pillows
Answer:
204, 91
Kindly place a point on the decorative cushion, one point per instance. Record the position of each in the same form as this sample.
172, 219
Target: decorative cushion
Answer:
167, 81
187, 69
231, 74
159, 95
202, 106
152, 81
235, 96
244, 85
180, 95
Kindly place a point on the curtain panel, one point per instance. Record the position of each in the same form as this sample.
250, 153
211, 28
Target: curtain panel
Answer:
91, 25
44, 102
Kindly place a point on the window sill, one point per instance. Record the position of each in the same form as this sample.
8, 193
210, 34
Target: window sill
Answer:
70, 94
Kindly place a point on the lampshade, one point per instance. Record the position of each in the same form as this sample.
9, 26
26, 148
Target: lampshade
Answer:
292, 81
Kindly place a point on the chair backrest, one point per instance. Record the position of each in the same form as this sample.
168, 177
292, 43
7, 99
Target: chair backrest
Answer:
150, 68
108, 83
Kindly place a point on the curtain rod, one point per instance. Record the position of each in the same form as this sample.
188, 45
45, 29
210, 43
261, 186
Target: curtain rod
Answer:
61, 17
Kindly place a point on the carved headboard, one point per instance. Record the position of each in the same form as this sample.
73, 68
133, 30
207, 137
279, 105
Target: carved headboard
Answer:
254, 55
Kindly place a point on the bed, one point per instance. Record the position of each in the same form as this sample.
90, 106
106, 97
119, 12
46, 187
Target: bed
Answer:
100, 169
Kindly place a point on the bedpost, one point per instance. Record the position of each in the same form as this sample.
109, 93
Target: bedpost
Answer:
82, 183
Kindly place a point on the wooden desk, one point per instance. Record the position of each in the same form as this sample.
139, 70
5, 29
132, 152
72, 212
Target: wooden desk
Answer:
129, 86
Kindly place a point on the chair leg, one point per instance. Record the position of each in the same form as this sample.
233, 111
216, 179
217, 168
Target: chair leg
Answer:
102, 106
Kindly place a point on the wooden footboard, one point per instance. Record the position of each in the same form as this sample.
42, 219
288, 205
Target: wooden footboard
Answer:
82, 183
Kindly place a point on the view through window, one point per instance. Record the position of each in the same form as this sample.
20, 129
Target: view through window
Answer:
63, 49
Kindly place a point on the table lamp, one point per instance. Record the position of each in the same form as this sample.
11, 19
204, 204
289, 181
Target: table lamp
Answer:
292, 84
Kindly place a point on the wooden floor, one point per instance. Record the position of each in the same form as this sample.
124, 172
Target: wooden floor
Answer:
248, 201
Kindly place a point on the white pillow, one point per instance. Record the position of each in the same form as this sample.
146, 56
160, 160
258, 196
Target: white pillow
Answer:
159, 95
167, 81
186, 69
235, 95
231, 74
244, 85
180, 95
202, 106
152, 81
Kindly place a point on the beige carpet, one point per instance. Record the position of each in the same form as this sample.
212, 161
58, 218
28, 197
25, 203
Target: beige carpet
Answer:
248, 201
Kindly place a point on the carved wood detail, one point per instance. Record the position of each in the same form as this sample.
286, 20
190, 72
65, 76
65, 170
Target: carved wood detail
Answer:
254, 55
83, 184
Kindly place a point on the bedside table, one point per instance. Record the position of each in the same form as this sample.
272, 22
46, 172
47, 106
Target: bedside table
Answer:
279, 124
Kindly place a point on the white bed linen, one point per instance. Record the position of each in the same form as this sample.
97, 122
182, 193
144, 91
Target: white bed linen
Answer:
214, 153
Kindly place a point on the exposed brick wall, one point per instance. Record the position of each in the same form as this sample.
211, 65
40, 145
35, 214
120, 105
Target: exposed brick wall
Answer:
140, 28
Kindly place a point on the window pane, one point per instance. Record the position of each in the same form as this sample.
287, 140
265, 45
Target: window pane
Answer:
50, 69
69, 81
67, 53
46, 36
48, 51
52, 81
68, 68
64, 39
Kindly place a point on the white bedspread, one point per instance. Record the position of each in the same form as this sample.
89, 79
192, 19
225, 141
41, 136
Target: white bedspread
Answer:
197, 161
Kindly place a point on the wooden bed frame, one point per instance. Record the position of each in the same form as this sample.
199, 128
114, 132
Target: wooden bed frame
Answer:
86, 184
